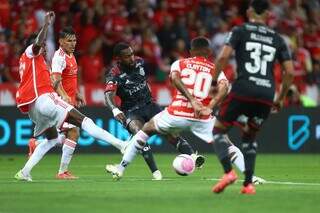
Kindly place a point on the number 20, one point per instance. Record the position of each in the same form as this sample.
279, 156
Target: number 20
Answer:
201, 82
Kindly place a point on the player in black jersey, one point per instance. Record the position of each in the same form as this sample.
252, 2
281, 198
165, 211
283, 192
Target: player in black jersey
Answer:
257, 48
127, 79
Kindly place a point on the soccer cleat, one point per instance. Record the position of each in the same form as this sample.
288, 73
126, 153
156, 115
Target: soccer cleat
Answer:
198, 159
32, 146
226, 180
249, 189
114, 171
21, 177
157, 175
258, 180
66, 176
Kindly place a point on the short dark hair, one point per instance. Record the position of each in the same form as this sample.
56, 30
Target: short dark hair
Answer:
119, 47
66, 31
200, 42
260, 6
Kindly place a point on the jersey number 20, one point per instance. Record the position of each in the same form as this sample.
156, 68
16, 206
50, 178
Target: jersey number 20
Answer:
201, 82
261, 54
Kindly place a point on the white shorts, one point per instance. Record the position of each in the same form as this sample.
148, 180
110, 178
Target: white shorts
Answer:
49, 110
167, 123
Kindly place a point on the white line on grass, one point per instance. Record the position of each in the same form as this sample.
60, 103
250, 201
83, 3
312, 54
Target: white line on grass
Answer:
165, 179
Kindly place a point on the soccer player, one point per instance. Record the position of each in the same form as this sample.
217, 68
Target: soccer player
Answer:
256, 47
127, 79
191, 106
36, 96
65, 82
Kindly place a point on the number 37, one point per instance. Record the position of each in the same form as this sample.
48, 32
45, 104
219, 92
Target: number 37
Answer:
261, 54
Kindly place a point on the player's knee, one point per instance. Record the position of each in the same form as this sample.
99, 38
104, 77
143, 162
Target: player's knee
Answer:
249, 148
146, 148
74, 134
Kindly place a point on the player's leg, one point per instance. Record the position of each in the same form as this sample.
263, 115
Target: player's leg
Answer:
221, 146
134, 125
135, 146
78, 119
249, 148
69, 145
40, 151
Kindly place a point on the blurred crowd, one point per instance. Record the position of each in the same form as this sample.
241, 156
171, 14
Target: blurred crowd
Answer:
159, 31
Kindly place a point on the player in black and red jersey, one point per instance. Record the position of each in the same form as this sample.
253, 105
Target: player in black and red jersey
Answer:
127, 79
256, 47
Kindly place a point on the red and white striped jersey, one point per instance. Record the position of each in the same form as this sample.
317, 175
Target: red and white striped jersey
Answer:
196, 74
66, 66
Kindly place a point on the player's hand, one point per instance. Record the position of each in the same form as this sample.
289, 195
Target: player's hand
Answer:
277, 105
205, 111
80, 100
197, 106
119, 116
49, 17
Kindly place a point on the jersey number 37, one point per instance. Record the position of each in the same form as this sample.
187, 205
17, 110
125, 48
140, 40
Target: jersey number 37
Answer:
260, 54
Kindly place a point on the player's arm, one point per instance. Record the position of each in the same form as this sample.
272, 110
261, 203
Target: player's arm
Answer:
232, 41
286, 83
109, 95
222, 60
222, 90
57, 85
284, 56
40, 39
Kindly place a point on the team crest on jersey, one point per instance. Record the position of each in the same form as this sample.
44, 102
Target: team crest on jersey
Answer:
141, 71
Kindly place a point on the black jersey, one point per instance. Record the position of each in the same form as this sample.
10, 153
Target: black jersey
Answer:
257, 48
130, 85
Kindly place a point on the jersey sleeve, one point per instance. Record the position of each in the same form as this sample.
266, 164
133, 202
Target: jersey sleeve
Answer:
29, 51
111, 82
58, 63
175, 67
284, 53
234, 37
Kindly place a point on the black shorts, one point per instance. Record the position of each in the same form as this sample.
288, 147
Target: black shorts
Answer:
143, 113
235, 111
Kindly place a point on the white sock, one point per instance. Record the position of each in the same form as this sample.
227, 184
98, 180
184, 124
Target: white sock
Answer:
90, 127
67, 153
133, 149
237, 157
39, 152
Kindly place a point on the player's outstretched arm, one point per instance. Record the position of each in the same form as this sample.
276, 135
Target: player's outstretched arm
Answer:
48, 19
222, 91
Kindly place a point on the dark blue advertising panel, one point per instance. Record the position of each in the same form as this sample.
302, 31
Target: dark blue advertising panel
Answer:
295, 130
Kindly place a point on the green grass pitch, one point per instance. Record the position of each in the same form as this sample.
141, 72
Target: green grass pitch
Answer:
294, 186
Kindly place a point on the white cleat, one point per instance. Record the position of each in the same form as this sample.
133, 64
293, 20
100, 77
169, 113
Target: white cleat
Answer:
157, 175
258, 180
198, 159
22, 177
114, 171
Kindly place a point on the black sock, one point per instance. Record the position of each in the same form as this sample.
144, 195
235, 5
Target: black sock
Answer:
221, 145
249, 152
183, 146
226, 164
148, 158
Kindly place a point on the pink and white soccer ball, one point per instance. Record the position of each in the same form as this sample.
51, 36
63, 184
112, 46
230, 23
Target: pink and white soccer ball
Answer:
183, 164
